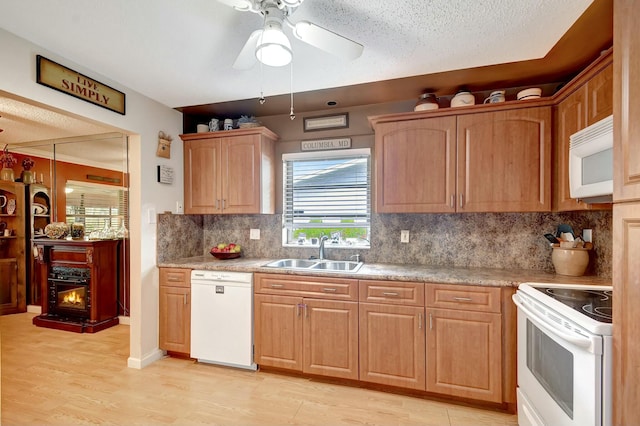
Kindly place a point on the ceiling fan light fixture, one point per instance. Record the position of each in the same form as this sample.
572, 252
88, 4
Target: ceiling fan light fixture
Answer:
274, 48
292, 3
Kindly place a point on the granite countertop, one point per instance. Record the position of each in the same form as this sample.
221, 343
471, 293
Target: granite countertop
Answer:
394, 272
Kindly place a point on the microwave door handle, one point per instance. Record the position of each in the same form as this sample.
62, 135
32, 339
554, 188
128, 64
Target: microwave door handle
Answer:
582, 342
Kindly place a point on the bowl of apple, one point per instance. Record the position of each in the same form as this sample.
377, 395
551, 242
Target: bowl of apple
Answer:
226, 251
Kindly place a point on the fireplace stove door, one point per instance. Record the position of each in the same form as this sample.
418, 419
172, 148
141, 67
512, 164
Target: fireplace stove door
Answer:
69, 298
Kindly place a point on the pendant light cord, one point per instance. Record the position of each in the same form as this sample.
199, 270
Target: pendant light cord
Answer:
291, 114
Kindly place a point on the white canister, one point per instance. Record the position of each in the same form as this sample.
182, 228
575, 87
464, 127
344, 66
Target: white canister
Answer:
202, 128
463, 98
228, 124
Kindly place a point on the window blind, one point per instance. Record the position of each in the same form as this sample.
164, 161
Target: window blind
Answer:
334, 191
96, 206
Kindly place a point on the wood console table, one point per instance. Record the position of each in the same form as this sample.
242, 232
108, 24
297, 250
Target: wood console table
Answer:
89, 269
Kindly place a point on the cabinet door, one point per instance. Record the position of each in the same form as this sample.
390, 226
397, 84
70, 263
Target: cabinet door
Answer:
626, 317
392, 345
8, 286
175, 319
600, 95
626, 106
504, 161
202, 184
330, 337
278, 331
570, 117
464, 353
241, 174
415, 166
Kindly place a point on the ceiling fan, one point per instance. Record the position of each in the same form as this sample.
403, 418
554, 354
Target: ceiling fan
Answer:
271, 46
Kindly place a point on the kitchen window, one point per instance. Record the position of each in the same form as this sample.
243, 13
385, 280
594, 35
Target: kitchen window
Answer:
327, 193
96, 206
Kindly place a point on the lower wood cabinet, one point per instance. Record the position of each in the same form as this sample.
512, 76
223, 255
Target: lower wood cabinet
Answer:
440, 338
308, 334
464, 341
175, 310
392, 345
464, 354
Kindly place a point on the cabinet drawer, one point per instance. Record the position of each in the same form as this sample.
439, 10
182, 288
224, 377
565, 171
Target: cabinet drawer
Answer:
464, 297
68, 254
296, 285
175, 277
392, 292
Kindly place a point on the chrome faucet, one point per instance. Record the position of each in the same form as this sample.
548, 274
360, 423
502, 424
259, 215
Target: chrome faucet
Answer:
321, 250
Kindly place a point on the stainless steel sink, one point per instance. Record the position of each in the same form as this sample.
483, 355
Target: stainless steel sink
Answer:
292, 263
337, 265
316, 265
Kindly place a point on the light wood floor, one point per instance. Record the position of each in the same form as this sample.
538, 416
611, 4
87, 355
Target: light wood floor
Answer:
52, 377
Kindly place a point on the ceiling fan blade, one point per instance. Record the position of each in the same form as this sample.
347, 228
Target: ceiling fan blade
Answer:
238, 4
327, 40
247, 56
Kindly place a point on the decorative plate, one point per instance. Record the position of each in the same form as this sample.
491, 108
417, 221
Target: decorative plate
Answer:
11, 206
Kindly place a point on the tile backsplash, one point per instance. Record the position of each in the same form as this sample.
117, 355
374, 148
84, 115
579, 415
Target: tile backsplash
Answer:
493, 240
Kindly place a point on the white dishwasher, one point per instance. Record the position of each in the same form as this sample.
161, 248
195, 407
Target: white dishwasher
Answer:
222, 318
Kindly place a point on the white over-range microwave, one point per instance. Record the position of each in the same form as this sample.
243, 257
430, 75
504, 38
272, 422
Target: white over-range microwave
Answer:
591, 162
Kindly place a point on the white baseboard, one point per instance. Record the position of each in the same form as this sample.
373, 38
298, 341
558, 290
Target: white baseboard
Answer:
124, 320
149, 359
34, 309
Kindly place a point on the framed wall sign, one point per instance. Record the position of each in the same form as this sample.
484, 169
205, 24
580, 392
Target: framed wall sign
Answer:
325, 144
326, 122
63, 79
165, 174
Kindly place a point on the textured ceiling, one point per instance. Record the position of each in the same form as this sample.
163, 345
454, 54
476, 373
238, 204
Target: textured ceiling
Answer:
180, 53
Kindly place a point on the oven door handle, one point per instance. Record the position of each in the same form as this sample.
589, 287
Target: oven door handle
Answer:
582, 342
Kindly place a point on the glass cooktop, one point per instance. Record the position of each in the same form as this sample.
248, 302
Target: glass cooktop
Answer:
595, 304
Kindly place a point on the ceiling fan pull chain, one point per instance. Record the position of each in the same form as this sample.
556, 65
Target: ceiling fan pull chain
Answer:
291, 114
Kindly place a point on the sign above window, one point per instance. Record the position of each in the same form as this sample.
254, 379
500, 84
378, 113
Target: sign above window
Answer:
326, 122
325, 144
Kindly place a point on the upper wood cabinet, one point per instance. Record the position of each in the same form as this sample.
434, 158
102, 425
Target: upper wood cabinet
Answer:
626, 92
590, 102
484, 162
415, 165
504, 161
600, 95
229, 172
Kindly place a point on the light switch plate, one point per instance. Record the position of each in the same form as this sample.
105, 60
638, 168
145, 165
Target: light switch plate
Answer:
254, 234
404, 236
152, 215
